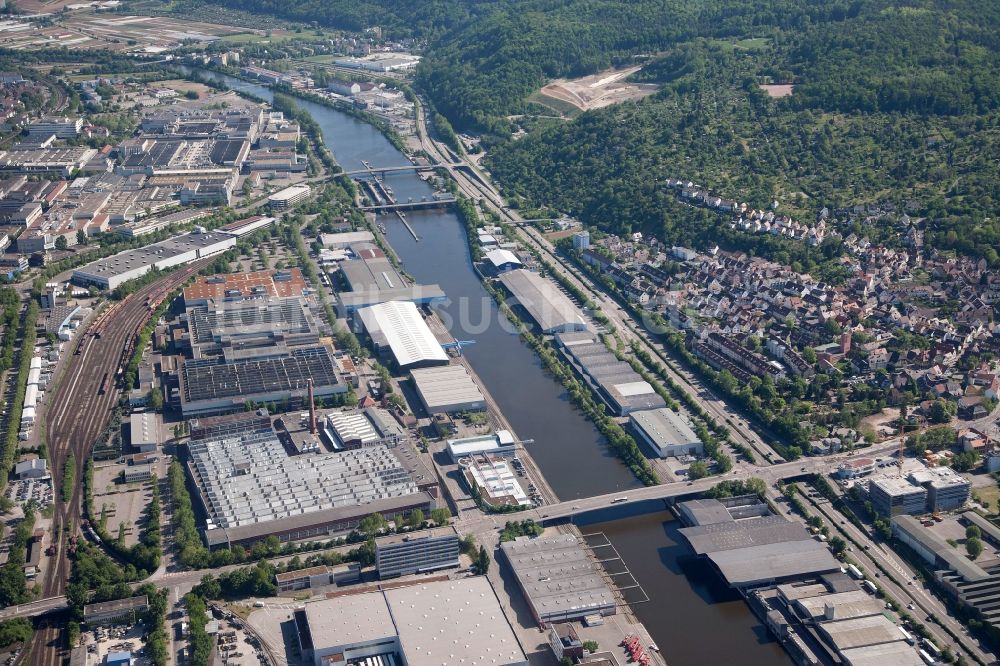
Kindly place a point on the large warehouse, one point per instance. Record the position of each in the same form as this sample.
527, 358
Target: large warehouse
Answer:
216, 386
112, 271
621, 387
250, 488
666, 432
396, 327
559, 579
549, 307
441, 622
447, 389
762, 549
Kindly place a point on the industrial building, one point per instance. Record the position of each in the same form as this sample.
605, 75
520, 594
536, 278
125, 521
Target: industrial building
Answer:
559, 579
251, 489
494, 479
233, 287
372, 279
439, 622
421, 552
117, 269
935, 549
756, 550
144, 431
617, 384
380, 62
259, 327
500, 443
35, 468
447, 389
503, 260
359, 429
216, 386
215, 427
112, 611
345, 239
396, 327
666, 432
547, 306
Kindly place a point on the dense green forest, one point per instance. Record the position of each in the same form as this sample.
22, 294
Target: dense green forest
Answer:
894, 100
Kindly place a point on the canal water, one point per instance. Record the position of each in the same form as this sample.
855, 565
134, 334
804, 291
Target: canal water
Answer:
691, 615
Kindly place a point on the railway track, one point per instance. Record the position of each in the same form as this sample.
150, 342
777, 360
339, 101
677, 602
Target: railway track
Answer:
76, 414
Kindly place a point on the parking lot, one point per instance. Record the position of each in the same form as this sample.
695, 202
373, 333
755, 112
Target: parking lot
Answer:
25, 490
103, 640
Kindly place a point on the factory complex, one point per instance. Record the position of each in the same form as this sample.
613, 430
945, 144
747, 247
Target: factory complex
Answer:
251, 488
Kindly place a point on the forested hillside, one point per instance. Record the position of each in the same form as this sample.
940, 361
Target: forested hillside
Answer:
894, 100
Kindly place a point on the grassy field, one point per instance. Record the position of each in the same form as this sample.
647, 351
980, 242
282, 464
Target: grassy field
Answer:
991, 495
749, 44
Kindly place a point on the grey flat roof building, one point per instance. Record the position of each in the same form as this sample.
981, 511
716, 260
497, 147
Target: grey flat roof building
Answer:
112, 271
751, 551
447, 389
559, 579
549, 307
666, 432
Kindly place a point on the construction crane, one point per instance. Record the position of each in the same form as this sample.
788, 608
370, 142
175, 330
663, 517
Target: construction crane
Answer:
457, 344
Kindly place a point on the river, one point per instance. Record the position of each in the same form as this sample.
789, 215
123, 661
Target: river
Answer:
692, 616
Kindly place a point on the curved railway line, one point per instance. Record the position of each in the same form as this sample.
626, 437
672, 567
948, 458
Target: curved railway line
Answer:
76, 414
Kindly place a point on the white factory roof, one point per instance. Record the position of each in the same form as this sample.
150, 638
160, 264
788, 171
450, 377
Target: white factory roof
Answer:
345, 238
442, 622
405, 331
453, 622
351, 426
349, 619
548, 306
500, 257
493, 443
144, 428
446, 385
